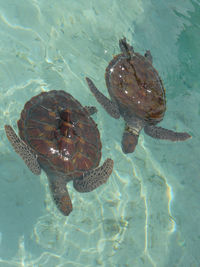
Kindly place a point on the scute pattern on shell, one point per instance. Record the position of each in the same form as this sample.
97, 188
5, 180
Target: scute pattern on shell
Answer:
136, 86
61, 132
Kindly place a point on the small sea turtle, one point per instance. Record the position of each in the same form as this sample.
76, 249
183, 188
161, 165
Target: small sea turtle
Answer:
58, 135
137, 94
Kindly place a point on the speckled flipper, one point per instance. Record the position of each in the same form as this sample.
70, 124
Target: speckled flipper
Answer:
165, 134
108, 105
91, 109
94, 178
60, 193
23, 150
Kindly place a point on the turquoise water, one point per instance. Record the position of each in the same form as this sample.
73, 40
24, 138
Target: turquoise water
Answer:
148, 213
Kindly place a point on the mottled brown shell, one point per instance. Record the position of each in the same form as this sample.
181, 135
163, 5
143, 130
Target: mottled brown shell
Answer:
61, 132
136, 86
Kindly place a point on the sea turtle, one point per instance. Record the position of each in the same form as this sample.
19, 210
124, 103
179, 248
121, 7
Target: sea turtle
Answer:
58, 135
137, 94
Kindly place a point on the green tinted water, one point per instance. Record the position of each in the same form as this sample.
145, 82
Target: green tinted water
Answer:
148, 212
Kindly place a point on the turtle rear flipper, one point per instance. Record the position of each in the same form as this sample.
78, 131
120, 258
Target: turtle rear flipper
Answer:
94, 178
165, 134
23, 150
149, 56
126, 48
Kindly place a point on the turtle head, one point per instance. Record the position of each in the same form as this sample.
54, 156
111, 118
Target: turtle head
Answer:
129, 142
131, 133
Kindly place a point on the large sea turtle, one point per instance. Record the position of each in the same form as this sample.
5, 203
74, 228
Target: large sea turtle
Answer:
58, 135
137, 94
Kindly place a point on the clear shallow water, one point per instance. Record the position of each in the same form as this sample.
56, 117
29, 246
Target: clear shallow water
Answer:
148, 213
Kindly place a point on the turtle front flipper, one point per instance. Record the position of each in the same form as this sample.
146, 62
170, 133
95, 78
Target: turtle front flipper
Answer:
106, 103
165, 134
60, 193
94, 178
23, 150
91, 109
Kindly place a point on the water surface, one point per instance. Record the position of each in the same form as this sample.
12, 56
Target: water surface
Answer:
148, 212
